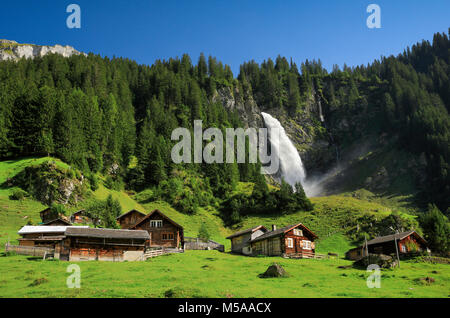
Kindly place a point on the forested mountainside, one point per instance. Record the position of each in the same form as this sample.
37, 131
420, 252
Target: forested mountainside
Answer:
116, 117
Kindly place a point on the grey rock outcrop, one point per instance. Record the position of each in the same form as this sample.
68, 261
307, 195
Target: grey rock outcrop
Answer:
11, 50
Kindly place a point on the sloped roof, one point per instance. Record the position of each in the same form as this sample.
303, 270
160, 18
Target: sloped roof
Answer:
77, 212
392, 237
242, 232
30, 229
280, 231
107, 233
58, 219
159, 212
121, 216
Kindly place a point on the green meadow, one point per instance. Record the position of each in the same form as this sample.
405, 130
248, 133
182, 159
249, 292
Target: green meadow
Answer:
209, 273
215, 274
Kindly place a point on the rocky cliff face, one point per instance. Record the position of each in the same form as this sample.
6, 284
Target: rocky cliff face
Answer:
242, 102
11, 50
339, 151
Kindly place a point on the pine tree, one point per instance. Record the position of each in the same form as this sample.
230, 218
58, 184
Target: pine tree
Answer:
436, 228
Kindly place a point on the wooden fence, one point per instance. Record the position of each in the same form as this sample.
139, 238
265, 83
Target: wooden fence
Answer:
306, 255
160, 251
29, 250
194, 243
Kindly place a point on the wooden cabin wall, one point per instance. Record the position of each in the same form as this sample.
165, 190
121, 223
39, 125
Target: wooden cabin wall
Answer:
156, 233
130, 219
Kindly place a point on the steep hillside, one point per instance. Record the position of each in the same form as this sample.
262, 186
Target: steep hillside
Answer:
338, 220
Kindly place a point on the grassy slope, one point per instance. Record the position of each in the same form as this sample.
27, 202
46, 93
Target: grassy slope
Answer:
215, 274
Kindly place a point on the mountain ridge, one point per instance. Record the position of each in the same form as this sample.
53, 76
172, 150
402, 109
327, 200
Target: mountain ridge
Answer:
12, 50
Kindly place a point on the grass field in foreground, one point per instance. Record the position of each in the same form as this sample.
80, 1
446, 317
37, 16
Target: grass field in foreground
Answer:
215, 274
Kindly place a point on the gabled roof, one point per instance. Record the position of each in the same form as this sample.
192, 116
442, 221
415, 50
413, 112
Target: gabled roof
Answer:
398, 236
58, 219
282, 230
106, 233
159, 212
77, 212
30, 229
251, 230
121, 216
45, 210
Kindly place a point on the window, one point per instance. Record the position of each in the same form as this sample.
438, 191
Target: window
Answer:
403, 248
167, 236
156, 223
298, 232
307, 245
290, 242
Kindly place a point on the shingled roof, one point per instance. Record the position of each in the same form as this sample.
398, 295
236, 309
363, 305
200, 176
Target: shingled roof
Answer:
107, 233
242, 232
280, 231
134, 210
161, 214
392, 237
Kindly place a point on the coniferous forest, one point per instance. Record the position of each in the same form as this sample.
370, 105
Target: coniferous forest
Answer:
116, 117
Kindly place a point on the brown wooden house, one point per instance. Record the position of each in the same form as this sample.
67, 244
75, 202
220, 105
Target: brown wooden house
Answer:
49, 215
85, 244
293, 241
163, 231
81, 217
407, 243
129, 219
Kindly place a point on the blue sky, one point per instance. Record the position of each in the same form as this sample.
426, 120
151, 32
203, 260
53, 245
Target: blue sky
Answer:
233, 30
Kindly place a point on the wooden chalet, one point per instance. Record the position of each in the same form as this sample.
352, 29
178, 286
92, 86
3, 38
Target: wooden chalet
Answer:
49, 215
407, 243
80, 217
85, 244
292, 241
163, 231
240, 241
129, 219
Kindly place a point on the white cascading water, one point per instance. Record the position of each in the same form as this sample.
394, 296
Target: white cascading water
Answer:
292, 169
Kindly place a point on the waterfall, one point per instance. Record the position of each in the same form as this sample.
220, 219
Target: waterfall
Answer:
291, 166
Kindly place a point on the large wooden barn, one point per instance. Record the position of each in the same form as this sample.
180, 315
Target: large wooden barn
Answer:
293, 241
407, 242
163, 231
85, 244
129, 219
81, 243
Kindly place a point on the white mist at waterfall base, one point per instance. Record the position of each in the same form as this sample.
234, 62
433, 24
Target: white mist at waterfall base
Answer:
291, 165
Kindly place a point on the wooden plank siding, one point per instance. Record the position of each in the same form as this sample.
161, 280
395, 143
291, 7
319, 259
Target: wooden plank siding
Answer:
277, 244
168, 234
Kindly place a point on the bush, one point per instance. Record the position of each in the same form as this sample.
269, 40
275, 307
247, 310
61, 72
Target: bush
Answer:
114, 184
18, 195
203, 233
93, 181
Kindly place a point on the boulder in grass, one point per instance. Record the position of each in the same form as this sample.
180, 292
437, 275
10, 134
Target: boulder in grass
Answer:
384, 261
274, 271
428, 280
